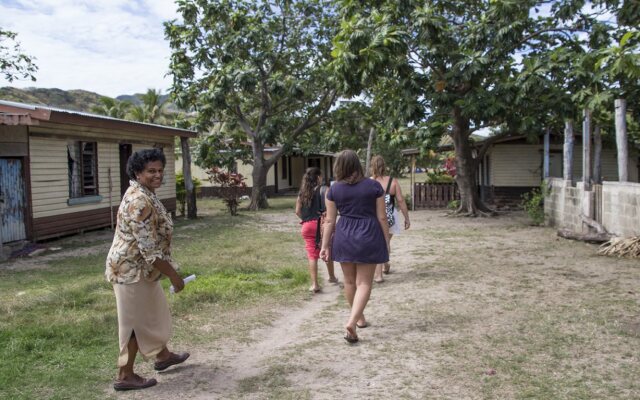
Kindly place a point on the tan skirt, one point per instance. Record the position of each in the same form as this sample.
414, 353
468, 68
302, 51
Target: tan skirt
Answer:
143, 309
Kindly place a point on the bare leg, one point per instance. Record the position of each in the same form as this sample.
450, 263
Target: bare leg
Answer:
358, 290
364, 280
126, 373
350, 278
163, 355
380, 268
387, 267
349, 274
332, 274
313, 272
378, 273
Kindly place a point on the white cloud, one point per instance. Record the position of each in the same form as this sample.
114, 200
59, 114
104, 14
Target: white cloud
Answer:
111, 47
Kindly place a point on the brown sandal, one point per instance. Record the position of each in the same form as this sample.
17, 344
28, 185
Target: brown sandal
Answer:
172, 360
141, 383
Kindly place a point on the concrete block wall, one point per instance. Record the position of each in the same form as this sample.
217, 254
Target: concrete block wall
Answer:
620, 206
563, 205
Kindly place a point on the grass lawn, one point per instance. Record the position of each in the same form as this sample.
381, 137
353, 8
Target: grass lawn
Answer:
58, 326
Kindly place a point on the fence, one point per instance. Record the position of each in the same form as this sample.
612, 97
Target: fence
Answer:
434, 195
614, 204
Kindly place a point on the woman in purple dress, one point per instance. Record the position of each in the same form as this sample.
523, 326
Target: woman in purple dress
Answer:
361, 238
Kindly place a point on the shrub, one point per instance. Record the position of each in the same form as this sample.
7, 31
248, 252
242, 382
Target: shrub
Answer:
453, 204
231, 187
439, 176
407, 200
181, 191
533, 204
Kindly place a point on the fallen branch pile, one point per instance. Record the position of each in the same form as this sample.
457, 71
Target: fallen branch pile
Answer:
584, 237
621, 247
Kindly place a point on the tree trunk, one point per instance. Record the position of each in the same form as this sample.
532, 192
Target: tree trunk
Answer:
466, 169
367, 167
621, 140
586, 149
190, 195
597, 155
545, 162
567, 172
259, 176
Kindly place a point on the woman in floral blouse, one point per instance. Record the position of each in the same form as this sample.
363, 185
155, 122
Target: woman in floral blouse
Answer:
139, 256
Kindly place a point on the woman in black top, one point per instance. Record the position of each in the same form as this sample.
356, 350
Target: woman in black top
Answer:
309, 207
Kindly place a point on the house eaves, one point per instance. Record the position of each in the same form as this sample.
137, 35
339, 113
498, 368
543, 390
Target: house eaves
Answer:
69, 117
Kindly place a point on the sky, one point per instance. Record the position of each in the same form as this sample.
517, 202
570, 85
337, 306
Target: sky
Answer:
111, 47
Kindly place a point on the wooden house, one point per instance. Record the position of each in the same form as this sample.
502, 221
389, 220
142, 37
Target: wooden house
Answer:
283, 178
63, 172
513, 166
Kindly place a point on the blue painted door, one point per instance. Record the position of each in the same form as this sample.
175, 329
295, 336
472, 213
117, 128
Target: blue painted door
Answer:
12, 200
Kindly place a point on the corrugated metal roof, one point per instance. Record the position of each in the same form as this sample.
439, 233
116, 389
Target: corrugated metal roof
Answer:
33, 107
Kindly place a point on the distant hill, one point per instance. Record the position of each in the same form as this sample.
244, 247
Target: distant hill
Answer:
76, 100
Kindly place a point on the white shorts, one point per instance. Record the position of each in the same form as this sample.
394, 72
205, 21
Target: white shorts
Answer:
395, 229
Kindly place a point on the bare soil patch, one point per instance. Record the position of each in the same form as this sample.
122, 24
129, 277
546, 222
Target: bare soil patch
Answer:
473, 309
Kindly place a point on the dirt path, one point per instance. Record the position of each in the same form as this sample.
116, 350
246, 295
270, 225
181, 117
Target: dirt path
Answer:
473, 309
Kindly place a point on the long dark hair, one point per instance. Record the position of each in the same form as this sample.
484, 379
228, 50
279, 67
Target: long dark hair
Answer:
347, 167
309, 185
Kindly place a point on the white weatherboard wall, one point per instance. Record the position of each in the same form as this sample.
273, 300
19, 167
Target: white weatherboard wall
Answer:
50, 176
521, 164
620, 206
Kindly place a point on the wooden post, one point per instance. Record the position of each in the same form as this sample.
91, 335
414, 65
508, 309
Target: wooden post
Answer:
621, 139
597, 155
545, 162
413, 183
588, 194
2, 256
190, 196
567, 172
586, 149
367, 163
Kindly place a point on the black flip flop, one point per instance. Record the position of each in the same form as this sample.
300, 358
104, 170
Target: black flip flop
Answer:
351, 336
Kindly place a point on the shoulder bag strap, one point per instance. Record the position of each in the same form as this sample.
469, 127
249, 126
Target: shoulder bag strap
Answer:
323, 192
388, 186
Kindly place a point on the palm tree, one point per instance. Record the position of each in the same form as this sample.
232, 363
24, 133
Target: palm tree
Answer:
152, 109
112, 108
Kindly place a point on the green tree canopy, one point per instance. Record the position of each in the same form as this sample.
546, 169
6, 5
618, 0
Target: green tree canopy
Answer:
259, 67
14, 64
461, 62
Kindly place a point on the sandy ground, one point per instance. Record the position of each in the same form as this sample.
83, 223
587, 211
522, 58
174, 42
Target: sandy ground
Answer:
445, 324
473, 309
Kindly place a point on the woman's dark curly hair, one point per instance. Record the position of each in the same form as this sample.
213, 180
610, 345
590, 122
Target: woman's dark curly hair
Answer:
309, 185
139, 160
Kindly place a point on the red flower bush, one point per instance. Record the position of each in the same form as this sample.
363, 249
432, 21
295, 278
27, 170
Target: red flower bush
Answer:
231, 187
449, 165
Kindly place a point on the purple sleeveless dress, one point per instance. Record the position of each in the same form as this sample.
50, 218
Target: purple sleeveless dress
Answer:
358, 237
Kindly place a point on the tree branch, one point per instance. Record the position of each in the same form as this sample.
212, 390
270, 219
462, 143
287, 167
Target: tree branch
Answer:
244, 123
489, 141
322, 108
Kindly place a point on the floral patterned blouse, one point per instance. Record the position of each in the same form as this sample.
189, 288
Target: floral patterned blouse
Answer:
143, 233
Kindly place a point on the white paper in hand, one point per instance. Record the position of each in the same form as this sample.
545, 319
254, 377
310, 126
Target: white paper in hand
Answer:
186, 280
